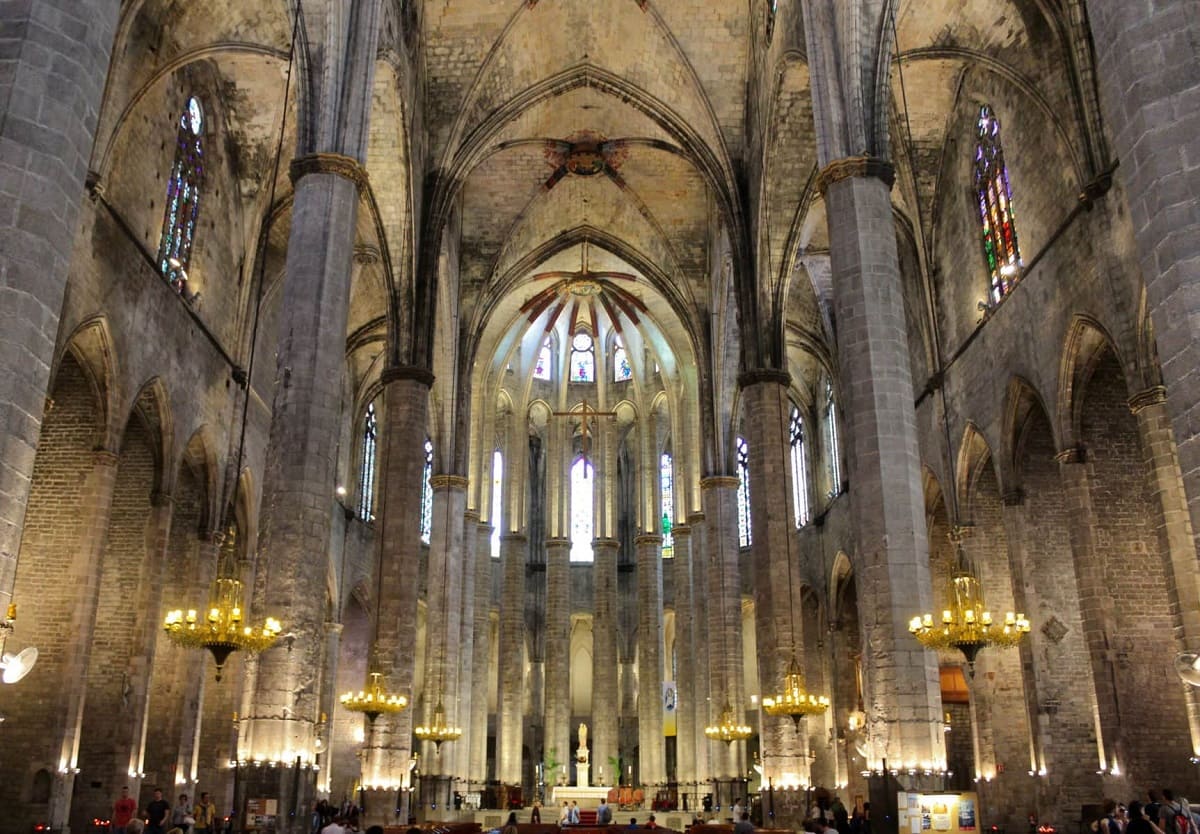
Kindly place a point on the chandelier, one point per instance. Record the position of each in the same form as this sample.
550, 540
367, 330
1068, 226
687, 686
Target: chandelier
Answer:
795, 701
13, 667
967, 624
439, 730
728, 730
373, 701
221, 628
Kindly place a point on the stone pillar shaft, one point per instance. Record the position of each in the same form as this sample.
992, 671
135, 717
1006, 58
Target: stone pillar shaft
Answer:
398, 568
685, 657
56, 62
1183, 581
702, 640
605, 717
558, 652
652, 763
1149, 77
443, 605
481, 671
466, 654
727, 687
297, 500
904, 702
780, 631
510, 718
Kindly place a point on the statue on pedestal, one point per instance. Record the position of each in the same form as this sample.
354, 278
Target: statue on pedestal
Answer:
581, 753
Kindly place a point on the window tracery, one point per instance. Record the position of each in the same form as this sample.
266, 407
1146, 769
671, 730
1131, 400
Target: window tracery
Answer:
366, 464
581, 510
583, 358
427, 493
743, 492
800, 499
666, 477
994, 196
183, 197
541, 368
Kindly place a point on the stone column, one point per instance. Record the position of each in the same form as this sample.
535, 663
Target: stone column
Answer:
510, 717
481, 671
329, 699
727, 688
297, 488
652, 759
685, 657
443, 605
780, 635
466, 652
605, 717
1183, 582
558, 652
55, 63
892, 563
1094, 599
95, 508
398, 569
1149, 78
701, 663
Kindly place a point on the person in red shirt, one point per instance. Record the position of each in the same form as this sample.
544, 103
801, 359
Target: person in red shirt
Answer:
123, 810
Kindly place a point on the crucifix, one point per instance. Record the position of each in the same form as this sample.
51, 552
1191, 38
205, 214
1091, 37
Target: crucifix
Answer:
586, 414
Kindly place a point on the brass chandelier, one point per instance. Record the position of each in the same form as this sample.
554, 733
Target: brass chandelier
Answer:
728, 730
439, 730
795, 701
373, 701
221, 627
966, 623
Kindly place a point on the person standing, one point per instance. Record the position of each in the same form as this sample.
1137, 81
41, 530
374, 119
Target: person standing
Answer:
564, 816
743, 825
181, 815
123, 810
205, 814
535, 816
157, 813
603, 813
573, 819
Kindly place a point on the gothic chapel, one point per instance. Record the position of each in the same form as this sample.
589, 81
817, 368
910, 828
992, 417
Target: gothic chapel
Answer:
800, 395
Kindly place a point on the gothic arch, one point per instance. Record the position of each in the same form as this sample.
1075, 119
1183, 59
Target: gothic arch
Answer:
1084, 348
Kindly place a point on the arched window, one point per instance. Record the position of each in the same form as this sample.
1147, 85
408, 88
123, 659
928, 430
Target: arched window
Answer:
541, 368
622, 370
581, 510
832, 451
583, 358
666, 478
427, 493
743, 493
800, 500
994, 195
366, 465
497, 515
183, 197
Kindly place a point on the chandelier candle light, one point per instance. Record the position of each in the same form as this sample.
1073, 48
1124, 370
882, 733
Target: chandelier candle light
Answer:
728, 730
439, 731
795, 701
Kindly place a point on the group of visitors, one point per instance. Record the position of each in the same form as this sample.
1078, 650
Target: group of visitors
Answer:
830, 814
159, 817
1162, 813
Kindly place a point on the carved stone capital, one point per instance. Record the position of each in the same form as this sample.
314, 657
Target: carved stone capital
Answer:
605, 543
855, 166
448, 482
471, 516
681, 530
365, 254
105, 457
1076, 454
720, 482
337, 164
557, 541
760, 376
648, 538
695, 518
396, 373
1154, 395
513, 537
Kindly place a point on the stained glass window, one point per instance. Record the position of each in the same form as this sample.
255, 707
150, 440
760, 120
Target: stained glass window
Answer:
772, 10
666, 476
994, 195
743, 493
621, 368
183, 197
366, 467
583, 358
427, 493
833, 453
800, 501
497, 515
581, 510
541, 369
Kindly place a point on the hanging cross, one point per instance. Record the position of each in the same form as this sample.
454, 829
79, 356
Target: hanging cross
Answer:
586, 414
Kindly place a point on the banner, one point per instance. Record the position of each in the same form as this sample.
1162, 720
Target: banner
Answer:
670, 702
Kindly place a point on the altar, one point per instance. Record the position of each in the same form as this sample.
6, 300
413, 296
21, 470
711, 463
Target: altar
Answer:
588, 796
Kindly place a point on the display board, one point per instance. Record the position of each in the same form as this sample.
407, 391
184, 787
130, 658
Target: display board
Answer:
943, 813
